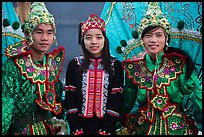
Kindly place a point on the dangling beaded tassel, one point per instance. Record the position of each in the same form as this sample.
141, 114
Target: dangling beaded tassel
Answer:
167, 45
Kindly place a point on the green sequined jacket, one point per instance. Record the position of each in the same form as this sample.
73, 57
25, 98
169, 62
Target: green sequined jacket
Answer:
31, 92
158, 104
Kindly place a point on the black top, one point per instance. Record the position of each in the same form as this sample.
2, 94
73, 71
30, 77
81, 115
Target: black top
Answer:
93, 93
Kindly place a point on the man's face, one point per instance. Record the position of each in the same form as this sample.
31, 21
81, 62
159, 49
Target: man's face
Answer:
154, 41
43, 37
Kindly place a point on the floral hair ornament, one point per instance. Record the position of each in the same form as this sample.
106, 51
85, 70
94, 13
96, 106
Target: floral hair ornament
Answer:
93, 22
38, 14
154, 17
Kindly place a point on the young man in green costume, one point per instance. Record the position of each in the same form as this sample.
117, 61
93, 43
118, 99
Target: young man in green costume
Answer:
31, 89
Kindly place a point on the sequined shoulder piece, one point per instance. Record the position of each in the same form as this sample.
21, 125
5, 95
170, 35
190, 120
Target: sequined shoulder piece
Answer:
16, 49
39, 73
55, 61
169, 70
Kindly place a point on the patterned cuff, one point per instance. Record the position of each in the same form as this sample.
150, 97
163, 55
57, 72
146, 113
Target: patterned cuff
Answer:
78, 132
113, 113
70, 88
74, 110
115, 90
103, 132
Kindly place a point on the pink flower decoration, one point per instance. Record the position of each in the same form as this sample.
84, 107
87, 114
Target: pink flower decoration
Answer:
182, 125
156, 77
136, 73
190, 131
50, 97
25, 129
148, 114
174, 125
28, 69
32, 69
44, 72
56, 107
159, 101
172, 69
166, 109
140, 120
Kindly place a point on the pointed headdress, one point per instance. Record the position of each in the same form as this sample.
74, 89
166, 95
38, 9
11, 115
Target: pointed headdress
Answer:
154, 17
39, 14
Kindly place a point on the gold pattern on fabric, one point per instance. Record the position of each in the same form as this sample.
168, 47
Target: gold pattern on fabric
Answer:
109, 12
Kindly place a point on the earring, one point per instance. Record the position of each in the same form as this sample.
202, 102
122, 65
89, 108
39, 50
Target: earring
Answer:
167, 45
141, 42
30, 43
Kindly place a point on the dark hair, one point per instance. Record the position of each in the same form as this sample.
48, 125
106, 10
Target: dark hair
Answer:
106, 57
189, 62
79, 34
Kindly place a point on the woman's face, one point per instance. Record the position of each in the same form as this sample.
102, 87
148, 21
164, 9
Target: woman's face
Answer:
154, 41
94, 41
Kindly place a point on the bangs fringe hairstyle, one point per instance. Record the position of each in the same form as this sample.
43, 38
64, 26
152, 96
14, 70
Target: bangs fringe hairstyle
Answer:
106, 57
189, 62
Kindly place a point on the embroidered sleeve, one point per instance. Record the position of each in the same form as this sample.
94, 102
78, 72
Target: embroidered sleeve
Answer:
70, 88
74, 110
71, 98
9, 86
115, 99
116, 96
116, 90
56, 59
113, 113
192, 88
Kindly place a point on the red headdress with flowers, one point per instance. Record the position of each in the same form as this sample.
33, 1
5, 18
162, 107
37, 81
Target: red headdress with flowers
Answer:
93, 22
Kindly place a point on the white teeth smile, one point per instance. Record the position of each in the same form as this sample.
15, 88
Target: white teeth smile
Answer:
152, 45
93, 46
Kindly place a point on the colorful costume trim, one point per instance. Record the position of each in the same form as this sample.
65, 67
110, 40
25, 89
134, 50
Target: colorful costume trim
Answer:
70, 88
103, 132
44, 76
113, 113
78, 132
116, 90
159, 116
74, 110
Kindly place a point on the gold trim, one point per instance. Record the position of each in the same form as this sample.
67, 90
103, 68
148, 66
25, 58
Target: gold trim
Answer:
13, 35
110, 12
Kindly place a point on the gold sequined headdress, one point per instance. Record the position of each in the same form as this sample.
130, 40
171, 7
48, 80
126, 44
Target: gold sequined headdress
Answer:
39, 14
154, 17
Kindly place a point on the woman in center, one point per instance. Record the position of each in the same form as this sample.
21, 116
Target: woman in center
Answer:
94, 84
